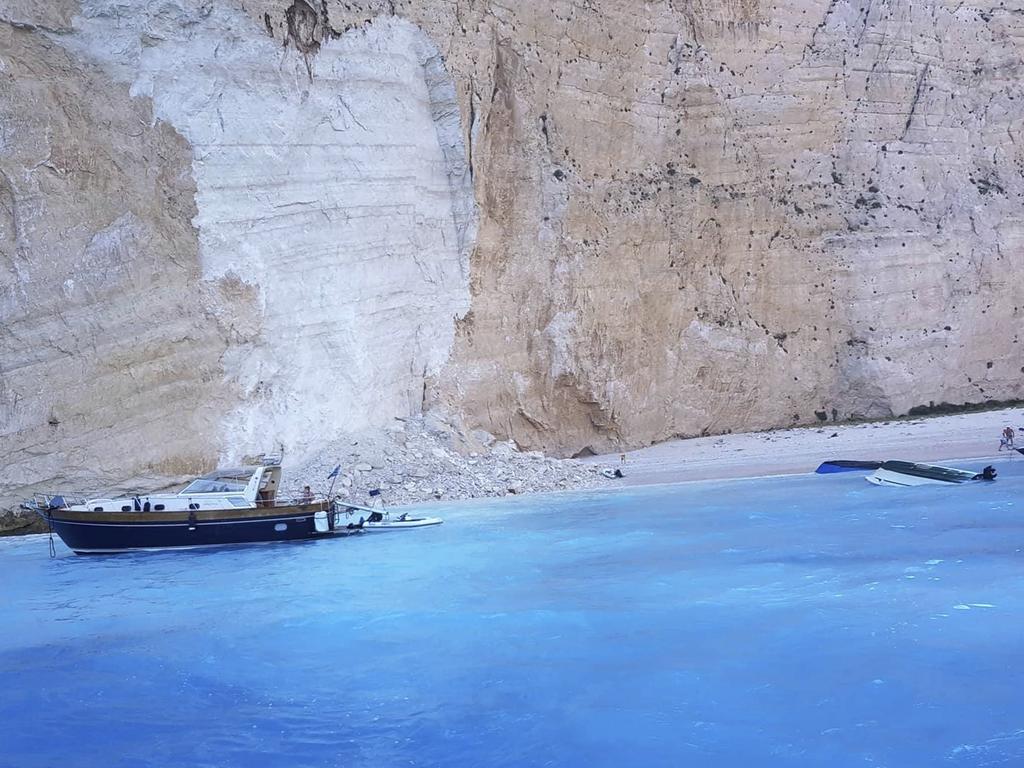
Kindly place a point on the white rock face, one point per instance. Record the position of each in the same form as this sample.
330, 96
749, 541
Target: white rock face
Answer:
334, 183
213, 245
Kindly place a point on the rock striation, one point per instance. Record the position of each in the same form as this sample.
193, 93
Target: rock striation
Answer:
712, 216
109, 350
214, 245
227, 228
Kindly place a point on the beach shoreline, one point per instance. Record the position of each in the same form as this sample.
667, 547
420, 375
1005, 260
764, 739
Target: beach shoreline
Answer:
948, 437
425, 468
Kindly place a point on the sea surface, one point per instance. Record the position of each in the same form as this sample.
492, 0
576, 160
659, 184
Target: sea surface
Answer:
794, 621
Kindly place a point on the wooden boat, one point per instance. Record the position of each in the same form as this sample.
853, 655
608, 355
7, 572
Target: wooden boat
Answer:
238, 505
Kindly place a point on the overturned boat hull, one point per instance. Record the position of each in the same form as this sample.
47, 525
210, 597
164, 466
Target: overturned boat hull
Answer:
845, 465
907, 474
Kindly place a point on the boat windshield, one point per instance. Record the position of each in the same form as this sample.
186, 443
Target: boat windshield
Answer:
221, 481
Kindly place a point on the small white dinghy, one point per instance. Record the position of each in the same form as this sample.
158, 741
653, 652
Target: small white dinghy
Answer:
379, 519
402, 521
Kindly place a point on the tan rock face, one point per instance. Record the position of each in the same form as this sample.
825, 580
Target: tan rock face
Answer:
108, 356
578, 225
733, 216
725, 216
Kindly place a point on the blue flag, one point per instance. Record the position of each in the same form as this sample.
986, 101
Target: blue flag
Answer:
334, 472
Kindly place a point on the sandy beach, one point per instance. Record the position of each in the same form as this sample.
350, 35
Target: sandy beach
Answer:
791, 451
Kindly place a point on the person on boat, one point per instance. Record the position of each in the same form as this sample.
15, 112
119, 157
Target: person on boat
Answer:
306, 497
988, 473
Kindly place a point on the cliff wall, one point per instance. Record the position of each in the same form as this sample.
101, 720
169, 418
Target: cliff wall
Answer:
713, 216
227, 228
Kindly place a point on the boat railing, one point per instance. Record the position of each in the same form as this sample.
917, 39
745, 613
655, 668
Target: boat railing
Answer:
295, 500
40, 502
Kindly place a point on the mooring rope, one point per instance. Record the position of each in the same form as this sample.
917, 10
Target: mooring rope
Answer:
49, 524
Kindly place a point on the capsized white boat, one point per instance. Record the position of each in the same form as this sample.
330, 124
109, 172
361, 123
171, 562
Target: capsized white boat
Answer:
907, 473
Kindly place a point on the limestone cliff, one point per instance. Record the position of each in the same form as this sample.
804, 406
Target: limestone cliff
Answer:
708, 216
228, 227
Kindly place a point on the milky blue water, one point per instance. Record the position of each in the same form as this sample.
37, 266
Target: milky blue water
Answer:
799, 621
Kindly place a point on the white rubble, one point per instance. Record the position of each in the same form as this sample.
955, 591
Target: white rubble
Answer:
429, 459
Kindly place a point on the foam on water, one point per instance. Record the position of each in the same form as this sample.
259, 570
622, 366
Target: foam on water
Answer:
760, 623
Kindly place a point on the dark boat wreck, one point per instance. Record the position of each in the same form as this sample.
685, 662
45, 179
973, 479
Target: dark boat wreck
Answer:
229, 506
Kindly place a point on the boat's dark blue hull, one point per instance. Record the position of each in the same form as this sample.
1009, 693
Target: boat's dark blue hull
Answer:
843, 465
104, 536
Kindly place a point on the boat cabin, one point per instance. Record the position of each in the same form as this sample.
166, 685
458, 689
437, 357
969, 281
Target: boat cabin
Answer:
241, 487
256, 484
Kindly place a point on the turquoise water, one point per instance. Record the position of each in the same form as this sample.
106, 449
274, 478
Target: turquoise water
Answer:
799, 621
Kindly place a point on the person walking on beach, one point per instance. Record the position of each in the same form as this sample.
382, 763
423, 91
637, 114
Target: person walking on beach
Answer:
1007, 439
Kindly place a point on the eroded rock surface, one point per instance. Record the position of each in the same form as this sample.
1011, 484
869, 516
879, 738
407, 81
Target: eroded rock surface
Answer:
331, 180
576, 225
108, 352
305, 278
713, 216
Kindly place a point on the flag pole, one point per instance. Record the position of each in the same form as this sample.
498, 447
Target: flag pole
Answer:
333, 478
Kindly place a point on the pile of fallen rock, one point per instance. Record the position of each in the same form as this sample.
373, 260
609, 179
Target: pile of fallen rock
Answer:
426, 458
